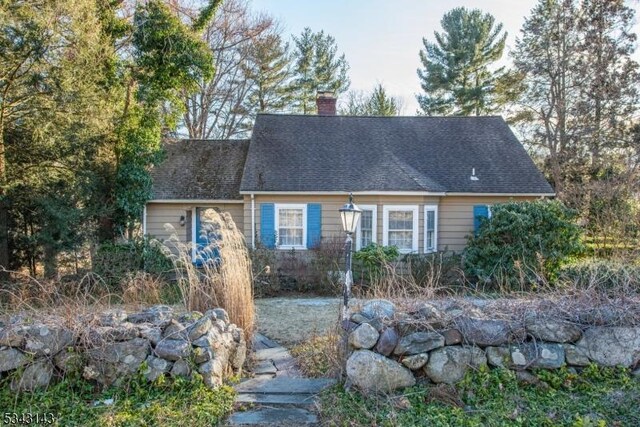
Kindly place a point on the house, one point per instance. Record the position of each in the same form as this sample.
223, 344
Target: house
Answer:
422, 182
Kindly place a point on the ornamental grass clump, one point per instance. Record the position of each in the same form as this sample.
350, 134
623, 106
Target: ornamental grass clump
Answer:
220, 273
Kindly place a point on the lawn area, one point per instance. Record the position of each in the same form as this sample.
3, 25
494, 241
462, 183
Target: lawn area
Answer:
595, 397
164, 403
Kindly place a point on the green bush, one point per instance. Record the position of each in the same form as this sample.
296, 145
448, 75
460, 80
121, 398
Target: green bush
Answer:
116, 261
523, 242
601, 274
371, 260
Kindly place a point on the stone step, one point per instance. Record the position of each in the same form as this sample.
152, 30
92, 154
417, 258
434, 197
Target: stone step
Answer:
284, 385
275, 353
273, 417
300, 400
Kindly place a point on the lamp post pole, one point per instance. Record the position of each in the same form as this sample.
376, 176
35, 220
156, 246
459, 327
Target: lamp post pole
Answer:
350, 215
348, 281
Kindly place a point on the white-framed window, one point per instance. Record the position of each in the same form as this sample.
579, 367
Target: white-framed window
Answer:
430, 228
367, 227
291, 226
400, 227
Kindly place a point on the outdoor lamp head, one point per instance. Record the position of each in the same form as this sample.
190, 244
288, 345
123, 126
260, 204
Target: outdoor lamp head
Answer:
350, 215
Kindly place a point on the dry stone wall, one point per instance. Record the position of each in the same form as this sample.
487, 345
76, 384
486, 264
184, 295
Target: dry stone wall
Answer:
110, 346
439, 343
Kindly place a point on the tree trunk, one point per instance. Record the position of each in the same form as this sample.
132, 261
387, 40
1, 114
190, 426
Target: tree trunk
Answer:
50, 261
4, 208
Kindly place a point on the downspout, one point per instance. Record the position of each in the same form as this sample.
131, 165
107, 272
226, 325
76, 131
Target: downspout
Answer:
144, 220
253, 221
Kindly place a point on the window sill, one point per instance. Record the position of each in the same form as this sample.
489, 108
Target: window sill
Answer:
289, 247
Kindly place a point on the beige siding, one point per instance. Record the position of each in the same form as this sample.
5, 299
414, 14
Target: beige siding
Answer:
331, 225
455, 214
160, 214
455, 218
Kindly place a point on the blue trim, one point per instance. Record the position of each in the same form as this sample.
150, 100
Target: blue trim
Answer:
268, 225
314, 224
479, 212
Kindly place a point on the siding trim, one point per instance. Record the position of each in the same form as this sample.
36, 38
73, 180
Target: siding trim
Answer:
433, 208
502, 194
197, 201
374, 225
342, 193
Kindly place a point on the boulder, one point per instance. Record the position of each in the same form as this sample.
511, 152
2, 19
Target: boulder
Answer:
538, 355
36, 375
101, 335
388, 340
380, 308
212, 372
175, 330
372, 372
450, 364
68, 361
157, 315
13, 336
553, 330
171, 349
180, 369
221, 314
150, 332
202, 354
112, 362
156, 367
47, 340
611, 346
452, 337
416, 361
11, 358
418, 342
239, 355
364, 336
112, 317
498, 356
575, 356
199, 328
485, 332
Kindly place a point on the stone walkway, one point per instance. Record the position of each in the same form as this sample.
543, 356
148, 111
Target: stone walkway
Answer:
278, 395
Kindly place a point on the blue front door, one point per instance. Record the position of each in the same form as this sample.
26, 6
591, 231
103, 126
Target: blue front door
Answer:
207, 239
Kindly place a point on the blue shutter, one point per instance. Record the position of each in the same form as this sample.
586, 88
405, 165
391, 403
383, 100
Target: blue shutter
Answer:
314, 224
267, 225
479, 211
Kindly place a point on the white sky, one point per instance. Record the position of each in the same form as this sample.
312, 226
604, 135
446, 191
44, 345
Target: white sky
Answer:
381, 38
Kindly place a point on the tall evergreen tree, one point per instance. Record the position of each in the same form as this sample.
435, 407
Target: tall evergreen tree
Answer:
317, 67
268, 68
377, 103
456, 76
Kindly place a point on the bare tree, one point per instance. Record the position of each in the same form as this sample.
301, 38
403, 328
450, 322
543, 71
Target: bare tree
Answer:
218, 110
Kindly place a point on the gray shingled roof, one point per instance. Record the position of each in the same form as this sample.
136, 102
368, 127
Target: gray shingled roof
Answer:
200, 169
346, 153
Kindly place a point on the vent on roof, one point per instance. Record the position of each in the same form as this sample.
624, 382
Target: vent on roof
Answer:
473, 176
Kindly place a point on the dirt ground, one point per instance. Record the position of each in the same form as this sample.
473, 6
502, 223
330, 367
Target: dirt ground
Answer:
292, 320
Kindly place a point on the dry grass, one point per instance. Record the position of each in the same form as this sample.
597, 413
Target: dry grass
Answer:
317, 357
224, 278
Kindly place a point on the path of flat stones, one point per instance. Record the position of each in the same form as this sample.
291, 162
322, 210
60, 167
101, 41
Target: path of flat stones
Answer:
278, 395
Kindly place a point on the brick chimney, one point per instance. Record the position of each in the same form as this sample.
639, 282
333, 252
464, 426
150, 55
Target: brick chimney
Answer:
326, 103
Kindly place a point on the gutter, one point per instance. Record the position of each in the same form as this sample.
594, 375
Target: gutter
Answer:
253, 221
144, 220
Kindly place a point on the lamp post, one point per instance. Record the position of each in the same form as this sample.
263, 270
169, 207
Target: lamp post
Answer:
350, 215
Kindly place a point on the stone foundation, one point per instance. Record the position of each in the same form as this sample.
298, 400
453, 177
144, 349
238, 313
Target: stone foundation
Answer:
439, 342
110, 346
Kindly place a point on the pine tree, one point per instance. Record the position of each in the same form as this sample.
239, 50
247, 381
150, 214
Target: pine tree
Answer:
377, 103
317, 67
456, 76
268, 70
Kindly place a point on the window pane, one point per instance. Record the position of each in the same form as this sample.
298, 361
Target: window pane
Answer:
430, 240
401, 239
366, 228
290, 217
290, 236
431, 220
400, 220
